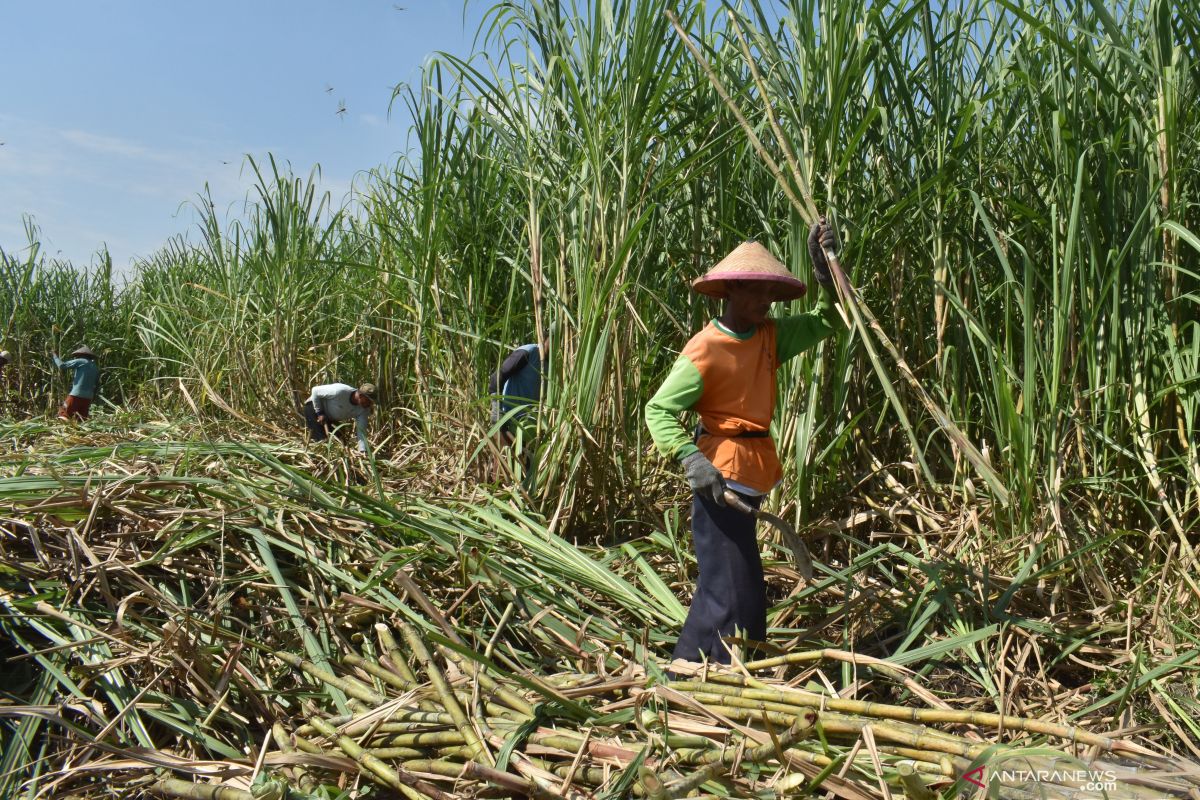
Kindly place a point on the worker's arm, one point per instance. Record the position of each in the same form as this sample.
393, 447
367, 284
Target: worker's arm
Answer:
798, 333
515, 361
360, 428
795, 334
678, 393
71, 364
315, 399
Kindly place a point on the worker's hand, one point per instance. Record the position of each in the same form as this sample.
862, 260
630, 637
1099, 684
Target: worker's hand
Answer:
321, 419
821, 238
704, 478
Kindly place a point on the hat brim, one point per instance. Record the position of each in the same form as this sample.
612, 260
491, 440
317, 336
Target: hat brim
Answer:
714, 284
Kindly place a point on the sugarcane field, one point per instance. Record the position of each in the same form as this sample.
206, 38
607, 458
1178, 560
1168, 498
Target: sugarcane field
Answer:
768, 398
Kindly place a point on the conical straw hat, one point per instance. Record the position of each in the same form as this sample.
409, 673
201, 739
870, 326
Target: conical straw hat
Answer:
750, 261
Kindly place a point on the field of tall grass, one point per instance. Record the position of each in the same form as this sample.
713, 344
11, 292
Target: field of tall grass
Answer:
1016, 187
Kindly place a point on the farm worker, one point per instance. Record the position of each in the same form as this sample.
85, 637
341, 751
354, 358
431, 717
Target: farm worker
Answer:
726, 374
332, 403
84, 383
4, 359
518, 382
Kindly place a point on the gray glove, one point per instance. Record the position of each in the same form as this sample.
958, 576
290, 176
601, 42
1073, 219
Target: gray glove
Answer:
704, 478
821, 238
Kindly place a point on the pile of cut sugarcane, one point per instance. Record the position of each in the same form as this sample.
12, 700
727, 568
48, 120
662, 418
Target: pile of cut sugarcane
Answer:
426, 717
198, 618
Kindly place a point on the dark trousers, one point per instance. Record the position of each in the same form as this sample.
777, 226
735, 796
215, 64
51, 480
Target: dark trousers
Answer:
74, 407
731, 592
316, 430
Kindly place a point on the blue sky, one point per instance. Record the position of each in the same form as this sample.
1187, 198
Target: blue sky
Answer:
114, 114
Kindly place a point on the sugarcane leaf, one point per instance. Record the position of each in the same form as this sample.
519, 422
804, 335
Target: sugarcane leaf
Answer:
625, 780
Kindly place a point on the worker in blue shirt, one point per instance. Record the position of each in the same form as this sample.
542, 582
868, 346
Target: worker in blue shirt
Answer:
516, 385
4, 359
84, 382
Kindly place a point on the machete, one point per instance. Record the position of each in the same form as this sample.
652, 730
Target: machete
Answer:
790, 537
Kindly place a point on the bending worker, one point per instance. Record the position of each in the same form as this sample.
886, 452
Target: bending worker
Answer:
726, 374
83, 385
4, 359
518, 382
336, 402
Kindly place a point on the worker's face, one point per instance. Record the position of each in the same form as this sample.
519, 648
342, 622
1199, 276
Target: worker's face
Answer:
750, 301
362, 400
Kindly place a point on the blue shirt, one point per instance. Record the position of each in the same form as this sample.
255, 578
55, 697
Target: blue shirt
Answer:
523, 387
87, 376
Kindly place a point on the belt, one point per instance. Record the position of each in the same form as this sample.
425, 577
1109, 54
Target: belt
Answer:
700, 431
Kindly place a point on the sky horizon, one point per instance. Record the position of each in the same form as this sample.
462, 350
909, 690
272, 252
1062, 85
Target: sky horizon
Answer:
117, 115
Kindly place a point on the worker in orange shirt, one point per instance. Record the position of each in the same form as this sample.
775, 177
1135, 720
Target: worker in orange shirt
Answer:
726, 374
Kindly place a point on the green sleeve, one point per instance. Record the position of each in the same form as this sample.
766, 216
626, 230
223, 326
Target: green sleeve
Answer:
795, 334
678, 393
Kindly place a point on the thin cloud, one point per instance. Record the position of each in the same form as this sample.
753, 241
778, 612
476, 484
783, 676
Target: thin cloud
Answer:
124, 193
112, 145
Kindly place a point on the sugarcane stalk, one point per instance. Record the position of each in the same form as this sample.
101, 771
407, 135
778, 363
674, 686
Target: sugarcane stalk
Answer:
569, 741
896, 673
351, 687
473, 769
407, 784
476, 671
173, 787
891, 670
751, 711
929, 761
427, 739
449, 701
924, 716
755, 142
788, 155
914, 787
371, 668
387, 643
284, 743
596, 776
402, 720
846, 293
398, 753
722, 762
523, 763
400, 728
306, 745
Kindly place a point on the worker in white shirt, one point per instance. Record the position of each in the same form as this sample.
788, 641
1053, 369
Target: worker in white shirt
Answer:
333, 403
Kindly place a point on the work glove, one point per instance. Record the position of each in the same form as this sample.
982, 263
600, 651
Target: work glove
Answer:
704, 478
820, 238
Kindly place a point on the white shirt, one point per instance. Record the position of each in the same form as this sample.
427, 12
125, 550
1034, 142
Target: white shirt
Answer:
333, 401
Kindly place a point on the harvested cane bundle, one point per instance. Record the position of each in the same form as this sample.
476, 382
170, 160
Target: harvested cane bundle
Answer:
433, 721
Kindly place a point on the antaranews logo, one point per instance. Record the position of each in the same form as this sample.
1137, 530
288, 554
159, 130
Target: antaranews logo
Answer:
1078, 779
